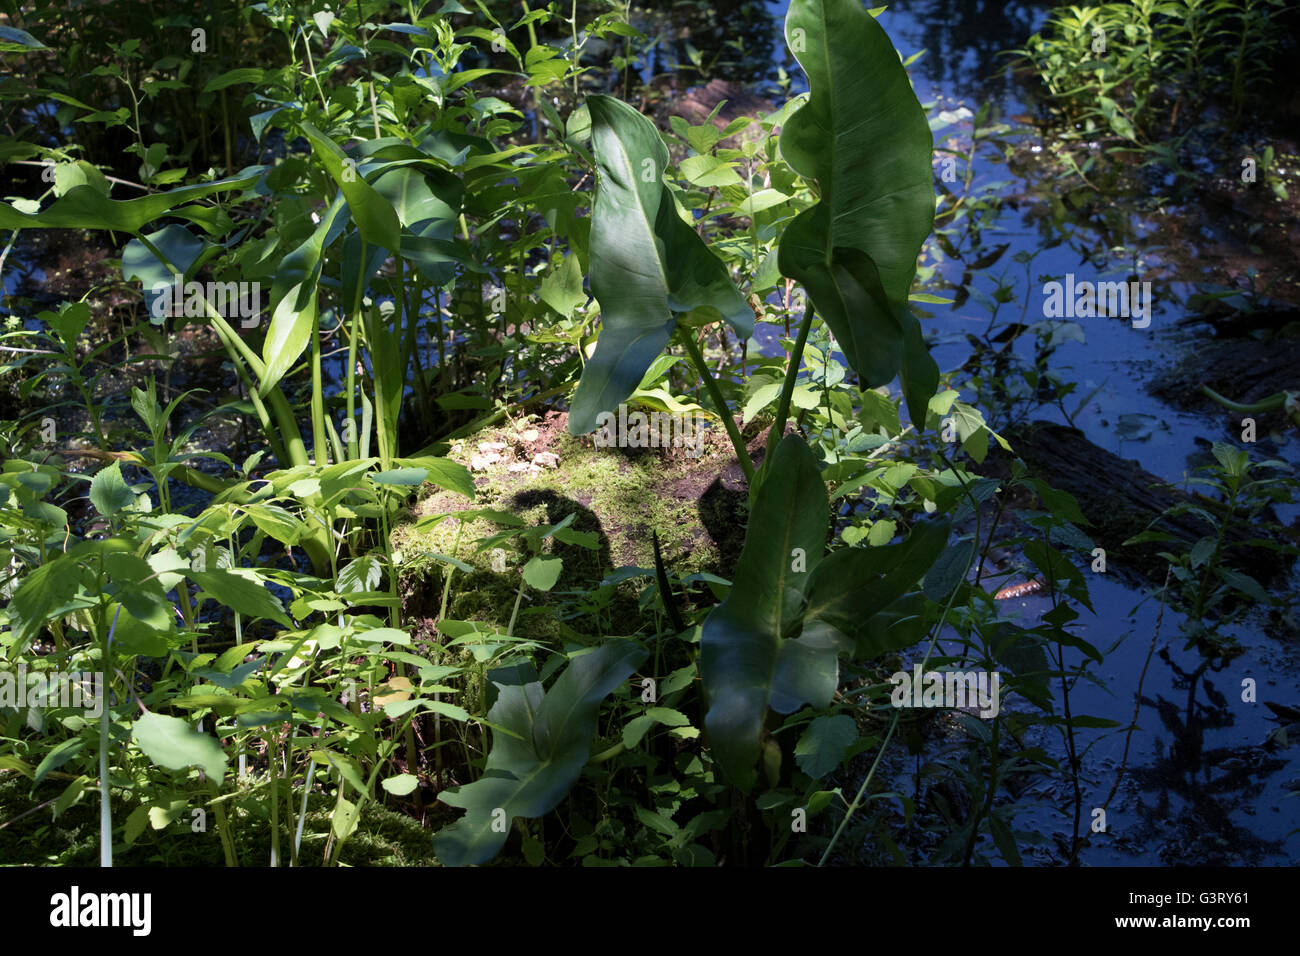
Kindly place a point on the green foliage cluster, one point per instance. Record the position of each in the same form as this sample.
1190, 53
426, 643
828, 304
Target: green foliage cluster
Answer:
1160, 76
432, 218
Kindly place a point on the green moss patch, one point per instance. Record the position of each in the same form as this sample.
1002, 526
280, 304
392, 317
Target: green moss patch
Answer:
536, 471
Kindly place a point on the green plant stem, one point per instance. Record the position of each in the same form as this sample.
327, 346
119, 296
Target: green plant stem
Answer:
273, 758
893, 724
1202, 592
496, 416
884, 744
105, 811
514, 613
238, 349
319, 449
787, 389
306, 790
223, 831
577, 55
719, 403
353, 454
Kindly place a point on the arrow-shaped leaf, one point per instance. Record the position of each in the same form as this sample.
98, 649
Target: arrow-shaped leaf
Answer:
862, 136
539, 752
647, 264
746, 660
372, 212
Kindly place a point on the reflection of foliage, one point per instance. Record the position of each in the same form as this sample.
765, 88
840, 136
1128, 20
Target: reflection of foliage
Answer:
1212, 782
1157, 74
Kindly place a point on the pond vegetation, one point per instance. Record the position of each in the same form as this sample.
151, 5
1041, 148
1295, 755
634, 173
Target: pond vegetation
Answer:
605, 434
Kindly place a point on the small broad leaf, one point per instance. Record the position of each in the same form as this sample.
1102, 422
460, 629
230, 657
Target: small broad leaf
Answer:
824, 743
69, 322
443, 472
949, 570
57, 757
44, 591
542, 573
109, 492
854, 584
562, 287
401, 785
172, 743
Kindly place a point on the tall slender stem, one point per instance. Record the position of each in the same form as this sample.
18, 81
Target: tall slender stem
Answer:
719, 404
105, 812
787, 390
319, 450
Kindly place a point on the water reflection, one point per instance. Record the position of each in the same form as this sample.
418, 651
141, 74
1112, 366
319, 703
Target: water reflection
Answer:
1198, 787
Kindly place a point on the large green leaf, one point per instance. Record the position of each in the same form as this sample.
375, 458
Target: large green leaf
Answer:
748, 659
647, 264
862, 136
370, 210
418, 192
293, 299
44, 591
85, 207
529, 773
242, 592
178, 245
919, 375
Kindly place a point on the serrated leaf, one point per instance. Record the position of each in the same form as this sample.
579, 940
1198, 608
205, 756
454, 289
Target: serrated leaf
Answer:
109, 492
242, 594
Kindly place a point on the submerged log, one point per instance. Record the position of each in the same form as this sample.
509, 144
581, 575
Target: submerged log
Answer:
1121, 499
1243, 370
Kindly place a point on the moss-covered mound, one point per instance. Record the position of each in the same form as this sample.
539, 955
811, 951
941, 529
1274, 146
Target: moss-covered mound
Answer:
533, 469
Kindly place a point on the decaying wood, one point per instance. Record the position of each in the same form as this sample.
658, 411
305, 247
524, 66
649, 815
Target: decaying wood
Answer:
1121, 500
1244, 370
